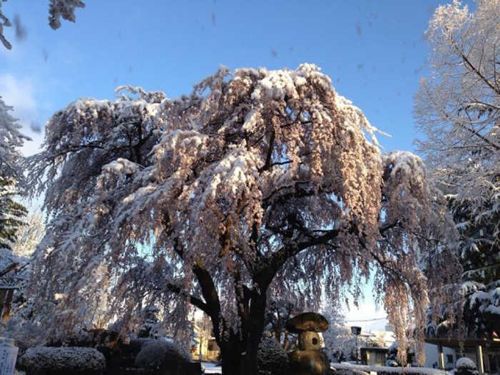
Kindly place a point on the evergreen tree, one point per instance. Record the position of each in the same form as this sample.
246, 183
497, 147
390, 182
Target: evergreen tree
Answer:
480, 259
11, 212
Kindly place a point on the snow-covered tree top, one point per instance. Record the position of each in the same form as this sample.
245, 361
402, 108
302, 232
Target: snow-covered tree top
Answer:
11, 175
458, 106
10, 141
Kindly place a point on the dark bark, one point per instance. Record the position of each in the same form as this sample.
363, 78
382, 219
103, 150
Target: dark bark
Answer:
231, 354
7, 305
239, 350
3, 294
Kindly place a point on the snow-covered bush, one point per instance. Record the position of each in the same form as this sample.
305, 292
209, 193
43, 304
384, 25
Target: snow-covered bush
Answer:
47, 360
271, 358
160, 354
466, 366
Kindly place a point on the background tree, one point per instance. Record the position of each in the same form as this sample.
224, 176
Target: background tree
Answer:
258, 183
30, 234
458, 110
204, 332
151, 326
58, 9
340, 344
279, 310
11, 212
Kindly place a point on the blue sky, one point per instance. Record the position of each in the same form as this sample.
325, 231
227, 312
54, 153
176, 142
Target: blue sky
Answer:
374, 51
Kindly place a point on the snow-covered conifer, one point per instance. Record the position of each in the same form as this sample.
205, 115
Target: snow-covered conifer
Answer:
11, 212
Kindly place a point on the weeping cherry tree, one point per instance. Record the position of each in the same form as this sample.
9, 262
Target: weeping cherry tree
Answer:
259, 183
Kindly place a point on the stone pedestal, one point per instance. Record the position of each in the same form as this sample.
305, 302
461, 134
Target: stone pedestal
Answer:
309, 362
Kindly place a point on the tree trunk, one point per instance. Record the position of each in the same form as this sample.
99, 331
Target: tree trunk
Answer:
239, 357
239, 350
3, 293
231, 355
7, 305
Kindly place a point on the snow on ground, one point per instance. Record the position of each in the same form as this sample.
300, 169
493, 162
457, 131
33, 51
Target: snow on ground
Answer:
210, 368
391, 370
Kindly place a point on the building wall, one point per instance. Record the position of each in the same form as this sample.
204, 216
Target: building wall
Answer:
209, 350
432, 356
491, 357
374, 356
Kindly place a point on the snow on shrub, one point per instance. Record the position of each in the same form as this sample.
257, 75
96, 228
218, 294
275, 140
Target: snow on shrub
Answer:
466, 366
465, 362
156, 354
73, 358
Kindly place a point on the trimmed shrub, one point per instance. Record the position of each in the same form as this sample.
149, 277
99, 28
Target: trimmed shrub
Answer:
271, 358
63, 360
162, 355
466, 366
